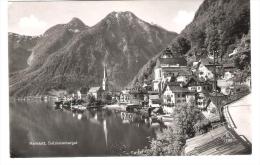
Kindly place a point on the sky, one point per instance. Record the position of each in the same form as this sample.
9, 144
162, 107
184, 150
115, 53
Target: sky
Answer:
34, 18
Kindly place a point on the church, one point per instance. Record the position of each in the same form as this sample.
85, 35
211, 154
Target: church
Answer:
99, 90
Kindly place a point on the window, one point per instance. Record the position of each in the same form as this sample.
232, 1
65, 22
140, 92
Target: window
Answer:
183, 95
179, 95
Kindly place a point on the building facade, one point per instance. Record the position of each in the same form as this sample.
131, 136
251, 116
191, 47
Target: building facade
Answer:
125, 96
167, 68
96, 92
174, 95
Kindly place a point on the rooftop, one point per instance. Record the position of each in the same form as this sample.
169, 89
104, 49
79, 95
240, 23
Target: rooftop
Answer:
94, 89
219, 141
178, 89
218, 99
180, 71
154, 97
181, 61
193, 81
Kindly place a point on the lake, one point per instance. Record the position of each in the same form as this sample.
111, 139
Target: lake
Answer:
37, 129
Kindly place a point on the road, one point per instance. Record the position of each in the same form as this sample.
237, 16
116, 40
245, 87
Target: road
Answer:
240, 114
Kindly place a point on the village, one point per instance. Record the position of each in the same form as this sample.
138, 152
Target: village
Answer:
119, 79
209, 84
206, 82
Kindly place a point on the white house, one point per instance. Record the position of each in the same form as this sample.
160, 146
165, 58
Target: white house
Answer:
154, 101
168, 67
225, 86
125, 96
96, 92
174, 95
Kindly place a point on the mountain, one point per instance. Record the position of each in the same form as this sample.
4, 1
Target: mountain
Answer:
70, 56
20, 48
217, 25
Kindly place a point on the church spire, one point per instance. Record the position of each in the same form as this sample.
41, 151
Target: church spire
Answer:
104, 83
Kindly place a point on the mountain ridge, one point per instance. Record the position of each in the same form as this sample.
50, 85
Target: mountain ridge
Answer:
19, 48
67, 59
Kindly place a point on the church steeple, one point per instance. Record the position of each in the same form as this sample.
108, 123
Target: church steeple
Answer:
104, 83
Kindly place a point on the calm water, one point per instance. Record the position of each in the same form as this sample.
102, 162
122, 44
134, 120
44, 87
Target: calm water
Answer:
36, 126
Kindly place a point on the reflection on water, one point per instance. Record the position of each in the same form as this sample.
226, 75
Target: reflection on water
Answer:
96, 132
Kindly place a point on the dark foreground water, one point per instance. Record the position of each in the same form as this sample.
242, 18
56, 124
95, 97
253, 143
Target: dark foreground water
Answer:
38, 130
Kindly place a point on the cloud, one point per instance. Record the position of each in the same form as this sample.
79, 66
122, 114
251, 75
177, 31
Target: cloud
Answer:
32, 25
182, 19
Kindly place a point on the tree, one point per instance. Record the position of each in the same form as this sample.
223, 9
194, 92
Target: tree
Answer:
213, 40
187, 121
90, 99
106, 97
180, 46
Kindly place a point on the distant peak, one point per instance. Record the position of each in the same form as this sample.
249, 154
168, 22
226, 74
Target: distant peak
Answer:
76, 23
122, 13
75, 19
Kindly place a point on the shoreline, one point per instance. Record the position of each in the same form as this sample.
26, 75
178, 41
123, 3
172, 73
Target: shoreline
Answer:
120, 107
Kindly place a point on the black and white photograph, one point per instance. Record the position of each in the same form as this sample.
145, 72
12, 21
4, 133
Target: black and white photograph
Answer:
129, 78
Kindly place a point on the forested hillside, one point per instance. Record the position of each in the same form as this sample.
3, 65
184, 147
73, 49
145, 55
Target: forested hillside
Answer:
218, 25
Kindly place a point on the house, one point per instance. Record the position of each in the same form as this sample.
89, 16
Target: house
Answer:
200, 88
138, 95
154, 101
215, 103
115, 96
172, 62
183, 75
211, 111
174, 95
96, 92
225, 85
205, 68
167, 67
125, 96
